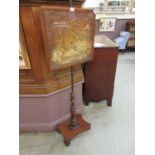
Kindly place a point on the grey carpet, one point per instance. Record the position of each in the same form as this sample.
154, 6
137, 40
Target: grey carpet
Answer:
112, 128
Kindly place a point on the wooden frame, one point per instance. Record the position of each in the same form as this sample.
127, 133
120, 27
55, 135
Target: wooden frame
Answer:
107, 24
68, 35
24, 62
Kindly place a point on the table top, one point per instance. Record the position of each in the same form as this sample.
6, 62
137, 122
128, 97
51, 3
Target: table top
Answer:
102, 41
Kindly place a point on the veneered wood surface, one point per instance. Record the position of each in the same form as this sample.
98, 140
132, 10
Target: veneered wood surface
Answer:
38, 79
99, 75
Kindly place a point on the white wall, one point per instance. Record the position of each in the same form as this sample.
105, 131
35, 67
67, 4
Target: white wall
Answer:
92, 3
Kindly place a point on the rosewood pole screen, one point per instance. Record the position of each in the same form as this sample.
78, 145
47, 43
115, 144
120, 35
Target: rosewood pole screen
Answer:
68, 35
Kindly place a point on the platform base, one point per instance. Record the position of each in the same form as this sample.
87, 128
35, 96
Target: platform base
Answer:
69, 133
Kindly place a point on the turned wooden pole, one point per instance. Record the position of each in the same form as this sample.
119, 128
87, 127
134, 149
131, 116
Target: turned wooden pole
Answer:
70, 3
73, 122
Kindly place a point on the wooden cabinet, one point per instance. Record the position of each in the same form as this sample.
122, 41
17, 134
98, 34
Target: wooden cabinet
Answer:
130, 27
99, 74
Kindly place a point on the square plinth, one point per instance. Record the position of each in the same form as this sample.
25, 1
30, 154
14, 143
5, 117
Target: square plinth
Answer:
69, 133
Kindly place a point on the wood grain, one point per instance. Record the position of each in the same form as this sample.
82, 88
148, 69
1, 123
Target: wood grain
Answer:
38, 79
100, 75
69, 133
